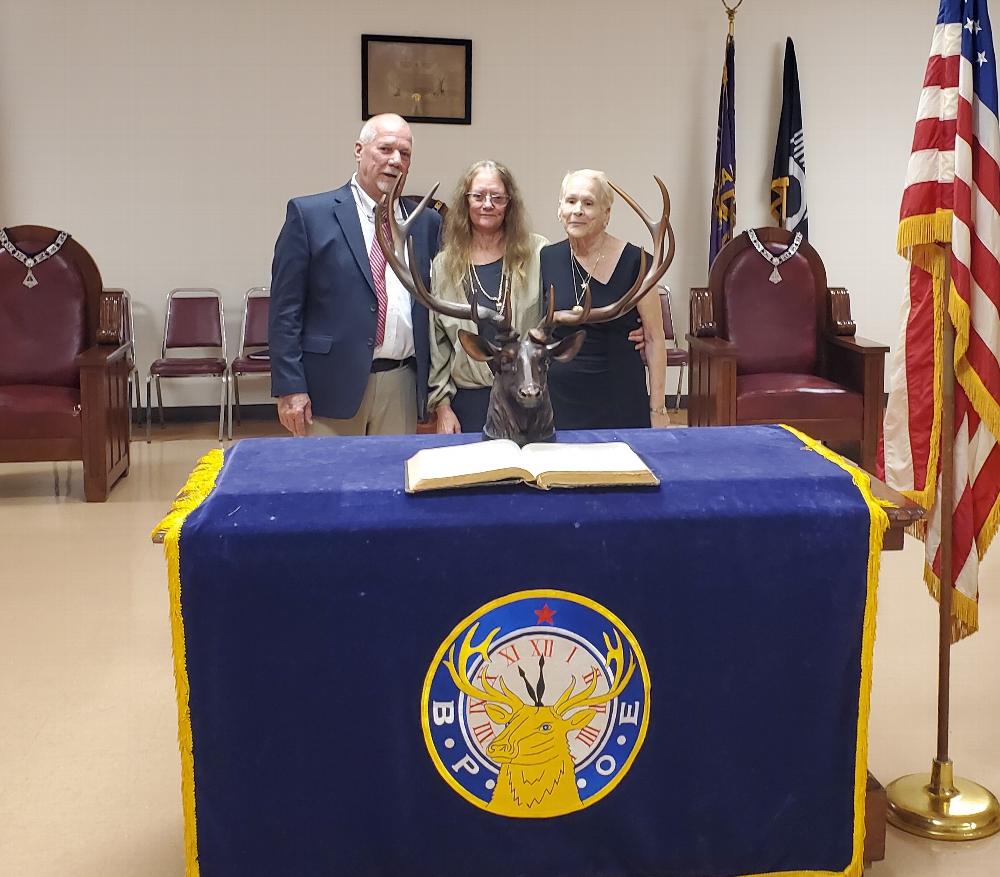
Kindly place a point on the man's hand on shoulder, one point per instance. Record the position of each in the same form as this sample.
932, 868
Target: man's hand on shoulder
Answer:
295, 413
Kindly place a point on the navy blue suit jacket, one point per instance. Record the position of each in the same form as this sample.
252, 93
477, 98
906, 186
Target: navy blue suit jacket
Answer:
323, 306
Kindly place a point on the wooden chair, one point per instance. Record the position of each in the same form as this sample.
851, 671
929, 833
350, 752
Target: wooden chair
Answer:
783, 352
64, 370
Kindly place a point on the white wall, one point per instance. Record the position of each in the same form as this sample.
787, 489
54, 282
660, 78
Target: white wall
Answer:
167, 137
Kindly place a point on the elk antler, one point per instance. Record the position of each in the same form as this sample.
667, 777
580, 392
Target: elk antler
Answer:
399, 255
459, 672
615, 655
644, 282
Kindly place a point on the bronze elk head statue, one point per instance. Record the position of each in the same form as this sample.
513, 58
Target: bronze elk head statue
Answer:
520, 408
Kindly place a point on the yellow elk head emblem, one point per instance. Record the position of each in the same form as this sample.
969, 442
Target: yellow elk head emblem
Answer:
537, 776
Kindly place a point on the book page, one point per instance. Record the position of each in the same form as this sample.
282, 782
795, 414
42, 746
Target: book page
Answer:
554, 464
455, 465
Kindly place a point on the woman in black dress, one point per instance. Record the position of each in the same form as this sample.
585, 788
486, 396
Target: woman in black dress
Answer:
604, 385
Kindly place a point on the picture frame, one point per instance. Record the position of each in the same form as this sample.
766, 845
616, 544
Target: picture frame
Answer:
422, 79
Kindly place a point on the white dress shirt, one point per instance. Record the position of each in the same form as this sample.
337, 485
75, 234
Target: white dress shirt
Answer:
397, 343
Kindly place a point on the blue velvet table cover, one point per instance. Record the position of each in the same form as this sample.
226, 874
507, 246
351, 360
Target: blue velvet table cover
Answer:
314, 594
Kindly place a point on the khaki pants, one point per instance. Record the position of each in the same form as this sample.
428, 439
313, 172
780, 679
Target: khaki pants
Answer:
389, 407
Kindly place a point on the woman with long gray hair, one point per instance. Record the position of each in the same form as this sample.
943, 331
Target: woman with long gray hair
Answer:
486, 248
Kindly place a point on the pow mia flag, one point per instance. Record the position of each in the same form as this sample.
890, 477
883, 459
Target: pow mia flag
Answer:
788, 179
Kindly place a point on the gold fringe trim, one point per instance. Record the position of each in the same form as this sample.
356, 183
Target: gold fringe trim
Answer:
964, 610
987, 407
198, 486
877, 526
930, 229
990, 527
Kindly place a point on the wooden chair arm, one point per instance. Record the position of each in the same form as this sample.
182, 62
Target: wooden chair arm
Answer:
712, 382
864, 346
101, 355
714, 348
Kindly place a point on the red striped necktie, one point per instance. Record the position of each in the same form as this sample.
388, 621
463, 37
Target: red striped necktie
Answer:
377, 259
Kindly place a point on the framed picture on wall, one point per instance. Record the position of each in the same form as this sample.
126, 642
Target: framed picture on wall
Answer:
423, 79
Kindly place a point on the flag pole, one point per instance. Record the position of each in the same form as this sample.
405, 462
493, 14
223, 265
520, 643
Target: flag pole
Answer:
940, 805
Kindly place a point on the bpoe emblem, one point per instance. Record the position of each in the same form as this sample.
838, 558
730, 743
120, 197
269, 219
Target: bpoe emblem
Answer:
536, 705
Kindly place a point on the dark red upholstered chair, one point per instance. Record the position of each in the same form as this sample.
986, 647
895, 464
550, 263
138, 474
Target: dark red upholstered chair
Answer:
63, 363
252, 357
676, 355
194, 320
764, 352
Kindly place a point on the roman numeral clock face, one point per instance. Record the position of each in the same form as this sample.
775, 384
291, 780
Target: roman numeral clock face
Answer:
536, 705
566, 658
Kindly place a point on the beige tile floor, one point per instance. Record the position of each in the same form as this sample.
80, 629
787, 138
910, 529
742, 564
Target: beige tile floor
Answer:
89, 771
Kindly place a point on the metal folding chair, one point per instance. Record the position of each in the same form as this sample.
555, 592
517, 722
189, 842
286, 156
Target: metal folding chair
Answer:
253, 357
676, 355
194, 319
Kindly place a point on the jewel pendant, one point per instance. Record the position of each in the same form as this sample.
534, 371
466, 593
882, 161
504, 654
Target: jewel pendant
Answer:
775, 276
29, 279
577, 309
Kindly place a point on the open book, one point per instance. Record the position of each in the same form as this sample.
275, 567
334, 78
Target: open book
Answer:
543, 465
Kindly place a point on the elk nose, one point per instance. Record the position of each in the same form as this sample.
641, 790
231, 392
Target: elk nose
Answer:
529, 391
498, 749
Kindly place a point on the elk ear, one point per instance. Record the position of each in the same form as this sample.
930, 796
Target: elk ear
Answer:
498, 714
582, 718
477, 347
565, 350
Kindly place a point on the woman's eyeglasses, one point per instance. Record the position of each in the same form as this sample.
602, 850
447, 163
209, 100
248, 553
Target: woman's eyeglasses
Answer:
480, 198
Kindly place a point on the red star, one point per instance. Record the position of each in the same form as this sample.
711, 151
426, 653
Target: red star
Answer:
545, 614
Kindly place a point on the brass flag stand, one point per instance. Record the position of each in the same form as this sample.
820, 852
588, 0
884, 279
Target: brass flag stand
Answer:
940, 805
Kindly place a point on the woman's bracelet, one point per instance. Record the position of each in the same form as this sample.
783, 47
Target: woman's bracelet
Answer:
661, 410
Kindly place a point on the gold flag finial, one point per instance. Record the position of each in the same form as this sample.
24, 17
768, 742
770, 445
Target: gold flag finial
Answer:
731, 14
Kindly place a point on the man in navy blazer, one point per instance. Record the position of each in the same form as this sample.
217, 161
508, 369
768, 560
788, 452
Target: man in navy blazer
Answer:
349, 357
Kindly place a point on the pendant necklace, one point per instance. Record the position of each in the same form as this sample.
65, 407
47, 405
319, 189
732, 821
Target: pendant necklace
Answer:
581, 282
503, 291
771, 258
30, 262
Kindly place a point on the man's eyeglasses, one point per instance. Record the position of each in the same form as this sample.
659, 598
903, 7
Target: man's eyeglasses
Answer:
479, 198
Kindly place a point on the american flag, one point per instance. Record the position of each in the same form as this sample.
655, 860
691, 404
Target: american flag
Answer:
952, 196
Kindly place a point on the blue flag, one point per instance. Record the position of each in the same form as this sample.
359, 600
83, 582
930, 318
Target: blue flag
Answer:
724, 188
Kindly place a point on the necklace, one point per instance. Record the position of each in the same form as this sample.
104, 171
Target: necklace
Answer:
775, 260
503, 291
581, 282
31, 261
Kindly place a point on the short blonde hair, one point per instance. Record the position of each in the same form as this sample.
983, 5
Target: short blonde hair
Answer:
606, 195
